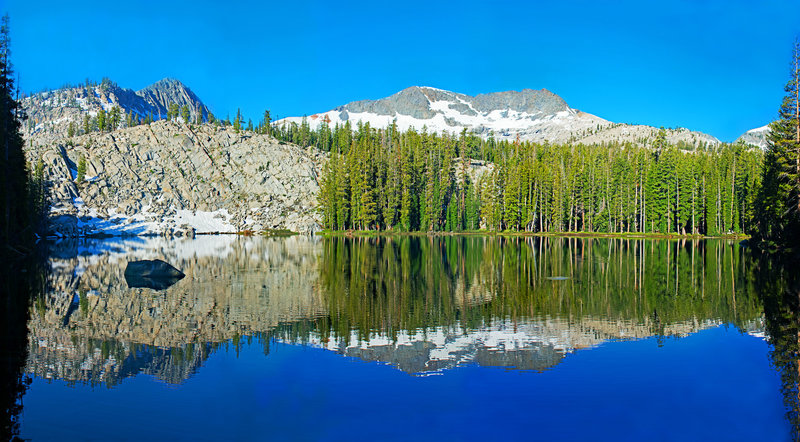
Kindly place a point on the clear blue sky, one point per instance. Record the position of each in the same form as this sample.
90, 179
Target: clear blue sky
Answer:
718, 66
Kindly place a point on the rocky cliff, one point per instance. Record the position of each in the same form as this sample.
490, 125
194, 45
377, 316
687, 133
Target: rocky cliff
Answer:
172, 178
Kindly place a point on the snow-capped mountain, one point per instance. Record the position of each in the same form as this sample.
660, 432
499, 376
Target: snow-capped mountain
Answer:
533, 115
756, 137
530, 114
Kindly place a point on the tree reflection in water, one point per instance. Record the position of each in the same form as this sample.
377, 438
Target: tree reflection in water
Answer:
778, 285
421, 304
20, 286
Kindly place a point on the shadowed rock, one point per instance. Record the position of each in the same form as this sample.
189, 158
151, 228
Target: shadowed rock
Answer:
155, 274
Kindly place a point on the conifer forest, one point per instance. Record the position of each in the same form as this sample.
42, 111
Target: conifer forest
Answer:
383, 180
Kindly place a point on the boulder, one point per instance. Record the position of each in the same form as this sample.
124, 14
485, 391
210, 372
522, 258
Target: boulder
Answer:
154, 274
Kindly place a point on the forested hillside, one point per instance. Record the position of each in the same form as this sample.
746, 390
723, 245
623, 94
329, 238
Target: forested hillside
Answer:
384, 179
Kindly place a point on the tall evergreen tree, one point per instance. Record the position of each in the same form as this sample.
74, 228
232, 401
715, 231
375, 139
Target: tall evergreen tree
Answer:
237, 122
267, 129
114, 117
14, 208
101, 120
185, 114
778, 212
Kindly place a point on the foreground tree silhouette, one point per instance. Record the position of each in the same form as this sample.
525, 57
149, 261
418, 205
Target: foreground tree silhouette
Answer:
14, 208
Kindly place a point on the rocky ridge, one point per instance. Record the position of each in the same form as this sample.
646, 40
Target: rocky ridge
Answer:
51, 112
533, 115
170, 178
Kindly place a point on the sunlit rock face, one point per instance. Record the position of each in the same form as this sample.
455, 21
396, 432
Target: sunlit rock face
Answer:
419, 304
756, 137
169, 178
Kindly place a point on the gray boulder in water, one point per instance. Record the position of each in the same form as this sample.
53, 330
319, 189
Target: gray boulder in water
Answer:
154, 274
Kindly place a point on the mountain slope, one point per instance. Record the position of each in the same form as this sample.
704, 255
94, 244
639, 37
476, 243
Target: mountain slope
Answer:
533, 115
756, 137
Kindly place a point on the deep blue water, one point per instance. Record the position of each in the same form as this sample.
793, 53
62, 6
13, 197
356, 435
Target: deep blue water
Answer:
602, 355
714, 385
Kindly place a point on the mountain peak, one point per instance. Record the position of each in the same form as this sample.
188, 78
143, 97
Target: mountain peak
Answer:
756, 137
166, 82
530, 114
171, 90
78, 102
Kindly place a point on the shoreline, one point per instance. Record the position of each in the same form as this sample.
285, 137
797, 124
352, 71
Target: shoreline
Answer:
638, 235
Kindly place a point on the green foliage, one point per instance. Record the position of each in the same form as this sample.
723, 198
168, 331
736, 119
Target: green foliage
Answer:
81, 170
172, 111
382, 179
16, 217
114, 118
101, 120
266, 123
778, 204
185, 114
400, 283
237, 122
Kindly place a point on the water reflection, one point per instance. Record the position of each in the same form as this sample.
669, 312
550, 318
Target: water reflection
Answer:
92, 328
20, 284
428, 304
778, 285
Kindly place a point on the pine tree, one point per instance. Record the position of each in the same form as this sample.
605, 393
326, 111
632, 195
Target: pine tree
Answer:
173, 111
187, 116
237, 122
81, 170
114, 118
267, 123
778, 212
101, 119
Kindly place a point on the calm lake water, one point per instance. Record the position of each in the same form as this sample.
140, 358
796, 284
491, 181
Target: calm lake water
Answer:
412, 338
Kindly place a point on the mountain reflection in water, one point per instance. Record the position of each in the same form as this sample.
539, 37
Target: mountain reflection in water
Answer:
421, 304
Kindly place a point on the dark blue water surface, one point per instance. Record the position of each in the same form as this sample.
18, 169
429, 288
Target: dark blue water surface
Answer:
412, 339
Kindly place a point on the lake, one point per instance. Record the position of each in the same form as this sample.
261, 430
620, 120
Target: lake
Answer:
407, 338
